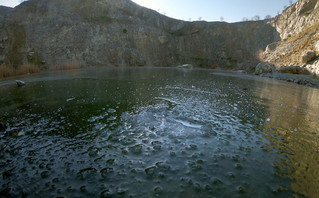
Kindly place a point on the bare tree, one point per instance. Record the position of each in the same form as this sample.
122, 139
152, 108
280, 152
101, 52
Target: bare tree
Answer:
245, 19
268, 17
221, 18
256, 18
200, 18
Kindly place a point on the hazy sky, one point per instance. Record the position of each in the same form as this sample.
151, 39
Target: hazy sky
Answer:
209, 10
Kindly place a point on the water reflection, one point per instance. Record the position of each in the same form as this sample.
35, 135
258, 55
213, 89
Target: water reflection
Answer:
292, 128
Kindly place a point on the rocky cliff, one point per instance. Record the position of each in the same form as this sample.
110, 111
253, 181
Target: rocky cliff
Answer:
298, 49
120, 32
4, 12
296, 18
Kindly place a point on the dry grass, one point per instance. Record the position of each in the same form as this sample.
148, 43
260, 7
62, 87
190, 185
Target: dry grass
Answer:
67, 66
8, 70
27, 69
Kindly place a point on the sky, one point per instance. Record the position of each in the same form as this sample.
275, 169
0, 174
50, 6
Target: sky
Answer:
208, 10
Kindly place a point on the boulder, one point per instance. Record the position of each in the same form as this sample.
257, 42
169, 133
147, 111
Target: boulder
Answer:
20, 83
272, 47
263, 68
293, 70
307, 56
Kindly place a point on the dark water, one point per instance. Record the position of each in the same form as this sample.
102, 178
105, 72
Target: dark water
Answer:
151, 132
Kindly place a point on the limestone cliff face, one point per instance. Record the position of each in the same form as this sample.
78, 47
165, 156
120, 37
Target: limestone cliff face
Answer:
119, 32
299, 46
293, 20
4, 12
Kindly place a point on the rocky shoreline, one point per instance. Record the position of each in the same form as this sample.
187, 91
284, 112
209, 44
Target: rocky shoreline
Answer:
301, 79
295, 74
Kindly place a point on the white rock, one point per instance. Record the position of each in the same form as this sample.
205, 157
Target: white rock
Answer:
20, 83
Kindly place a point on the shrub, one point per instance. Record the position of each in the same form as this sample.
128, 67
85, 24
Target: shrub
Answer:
27, 69
7, 70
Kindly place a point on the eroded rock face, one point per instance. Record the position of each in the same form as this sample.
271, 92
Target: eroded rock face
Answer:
296, 18
4, 44
119, 32
298, 26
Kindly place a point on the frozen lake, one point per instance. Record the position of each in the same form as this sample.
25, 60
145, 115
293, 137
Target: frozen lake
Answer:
158, 132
